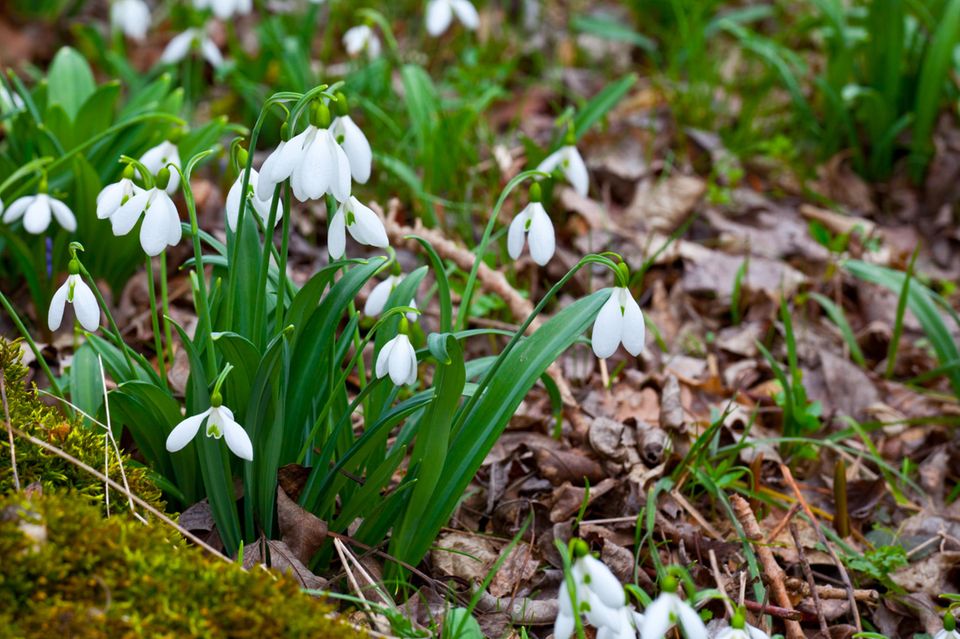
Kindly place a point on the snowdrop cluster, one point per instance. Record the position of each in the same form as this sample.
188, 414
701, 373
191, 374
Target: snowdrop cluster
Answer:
124, 203
440, 15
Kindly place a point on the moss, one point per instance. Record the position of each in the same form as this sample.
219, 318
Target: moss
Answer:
35, 465
68, 572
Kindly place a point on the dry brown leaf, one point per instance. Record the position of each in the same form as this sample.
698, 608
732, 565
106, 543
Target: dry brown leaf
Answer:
463, 555
302, 532
571, 465
281, 558
662, 205
518, 568
567, 499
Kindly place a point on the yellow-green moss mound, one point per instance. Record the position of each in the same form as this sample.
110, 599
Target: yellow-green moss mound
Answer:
68, 572
35, 465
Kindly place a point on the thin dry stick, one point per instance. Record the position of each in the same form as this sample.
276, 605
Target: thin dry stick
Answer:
109, 429
143, 504
794, 509
491, 280
808, 574
718, 578
788, 476
13, 449
342, 550
772, 570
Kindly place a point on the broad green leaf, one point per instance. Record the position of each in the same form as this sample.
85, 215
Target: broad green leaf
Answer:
70, 81
86, 388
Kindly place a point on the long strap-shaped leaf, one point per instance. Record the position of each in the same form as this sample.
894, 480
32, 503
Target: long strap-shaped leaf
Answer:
498, 400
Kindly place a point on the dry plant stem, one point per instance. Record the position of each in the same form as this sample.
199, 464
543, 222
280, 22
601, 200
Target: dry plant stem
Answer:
491, 280
788, 477
143, 504
13, 448
771, 568
720, 581
865, 595
794, 509
808, 575
382, 624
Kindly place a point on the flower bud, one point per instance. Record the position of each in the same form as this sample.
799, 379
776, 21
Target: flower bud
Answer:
128, 172
163, 178
216, 399
320, 115
536, 193
578, 548
341, 104
242, 158
571, 138
949, 622
73, 267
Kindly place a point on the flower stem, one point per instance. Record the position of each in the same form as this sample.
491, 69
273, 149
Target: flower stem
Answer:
167, 331
110, 320
155, 320
282, 262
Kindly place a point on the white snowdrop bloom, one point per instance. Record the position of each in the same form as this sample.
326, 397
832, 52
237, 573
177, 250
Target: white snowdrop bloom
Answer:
533, 224
594, 575
261, 206
377, 299
76, 292
362, 39
225, 9
398, 359
619, 320
571, 165
313, 161
364, 225
668, 610
132, 17
37, 211
355, 145
9, 100
161, 222
440, 14
220, 423
947, 634
115, 195
181, 44
747, 632
159, 157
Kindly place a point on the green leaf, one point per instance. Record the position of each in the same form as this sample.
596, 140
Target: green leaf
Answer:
86, 388
602, 103
839, 318
614, 30
70, 81
460, 624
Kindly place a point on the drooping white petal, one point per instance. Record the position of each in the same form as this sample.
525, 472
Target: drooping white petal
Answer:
656, 618
63, 214
439, 15
517, 233
690, 621
564, 626
340, 178
266, 185
598, 613
162, 156
211, 53
132, 17
399, 366
127, 215
237, 439
756, 633
356, 147
575, 170
161, 224
367, 227
603, 583
185, 431
466, 13
288, 156
337, 233
411, 365
382, 366
36, 219
634, 331
540, 236
178, 48
551, 162
16, 210
378, 296
110, 199
732, 633
608, 327
85, 305
57, 302
312, 177
361, 39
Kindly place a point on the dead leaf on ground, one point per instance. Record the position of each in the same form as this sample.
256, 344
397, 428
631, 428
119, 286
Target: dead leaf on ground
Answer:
303, 532
463, 555
662, 205
281, 558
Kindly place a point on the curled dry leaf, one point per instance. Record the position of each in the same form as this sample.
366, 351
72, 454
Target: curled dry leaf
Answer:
278, 556
518, 568
559, 466
664, 204
463, 555
567, 499
303, 532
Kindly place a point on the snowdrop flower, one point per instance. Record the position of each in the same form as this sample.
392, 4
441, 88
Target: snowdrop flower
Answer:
178, 48
159, 157
571, 164
9, 100
600, 598
619, 320
37, 211
313, 161
76, 292
132, 17
669, 609
533, 224
261, 206
740, 629
440, 14
161, 222
398, 358
225, 9
364, 225
113, 196
949, 628
353, 142
361, 39
220, 423
377, 299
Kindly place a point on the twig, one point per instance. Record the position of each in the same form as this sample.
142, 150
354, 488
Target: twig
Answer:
787, 614
142, 503
347, 559
787, 518
788, 477
718, 578
6, 414
772, 570
491, 280
808, 574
